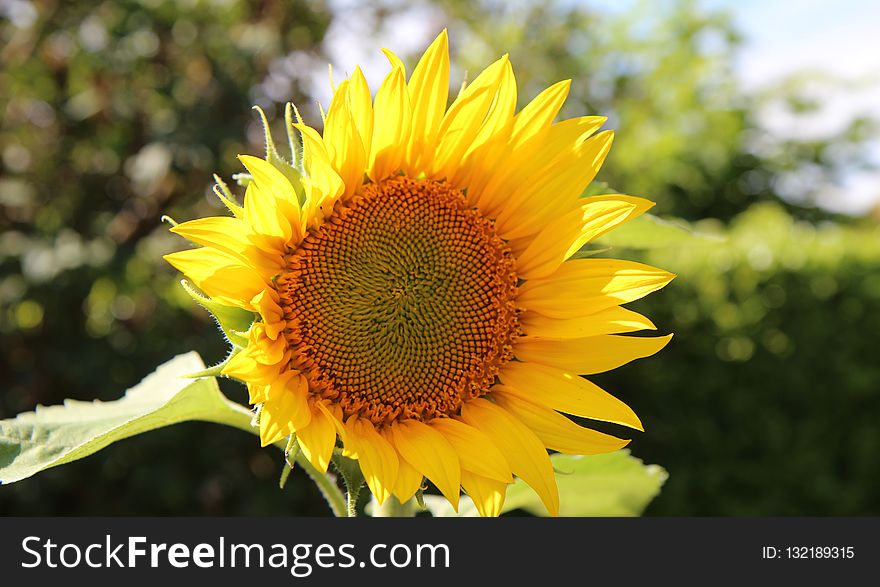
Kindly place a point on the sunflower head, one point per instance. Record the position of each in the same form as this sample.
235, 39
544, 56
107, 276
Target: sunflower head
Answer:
416, 302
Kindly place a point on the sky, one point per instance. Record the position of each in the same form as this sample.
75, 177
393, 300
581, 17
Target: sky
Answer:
782, 37
841, 38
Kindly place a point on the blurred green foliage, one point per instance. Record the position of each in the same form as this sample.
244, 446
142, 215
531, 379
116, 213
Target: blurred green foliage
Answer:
766, 400
115, 113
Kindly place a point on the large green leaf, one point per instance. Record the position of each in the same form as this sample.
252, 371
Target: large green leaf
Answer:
56, 435
613, 484
651, 232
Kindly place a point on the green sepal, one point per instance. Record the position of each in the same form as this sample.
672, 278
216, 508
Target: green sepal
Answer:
238, 338
222, 191
291, 451
286, 470
420, 499
232, 321
290, 171
293, 141
216, 370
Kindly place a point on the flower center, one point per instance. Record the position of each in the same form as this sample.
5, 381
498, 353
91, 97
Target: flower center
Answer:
401, 305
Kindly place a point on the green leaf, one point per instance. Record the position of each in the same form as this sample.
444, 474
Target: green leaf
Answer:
55, 435
650, 232
613, 484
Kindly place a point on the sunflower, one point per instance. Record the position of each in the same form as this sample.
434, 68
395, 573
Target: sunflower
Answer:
417, 304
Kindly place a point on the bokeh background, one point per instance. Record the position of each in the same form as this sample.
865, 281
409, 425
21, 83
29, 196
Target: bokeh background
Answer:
755, 123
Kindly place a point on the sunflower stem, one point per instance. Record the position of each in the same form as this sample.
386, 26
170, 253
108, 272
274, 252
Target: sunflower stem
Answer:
353, 479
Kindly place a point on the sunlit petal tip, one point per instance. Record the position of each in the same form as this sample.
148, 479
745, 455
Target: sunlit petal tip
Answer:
476, 451
377, 457
431, 454
638, 425
318, 438
394, 60
523, 450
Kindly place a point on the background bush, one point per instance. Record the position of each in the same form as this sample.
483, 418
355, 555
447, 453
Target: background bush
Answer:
115, 113
766, 400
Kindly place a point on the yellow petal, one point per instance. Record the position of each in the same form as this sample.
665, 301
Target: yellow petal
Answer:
256, 393
463, 120
555, 430
566, 392
391, 126
361, 107
377, 457
540, 112
487, 494
266, 303
344, 146
428, 451
550, 248
264, 349
244, 367
273, 425
596, 227
215, 231
560, 188
298, 388
325, 185
491, 143
585, 286
316, 441
565, 235
502, 108
428, 91
514, 178
230, 235
271, 206
409, 480
586, 356
475, 450
523, 450
613, 320
334, 412
283, 408
219, 275
394, 60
